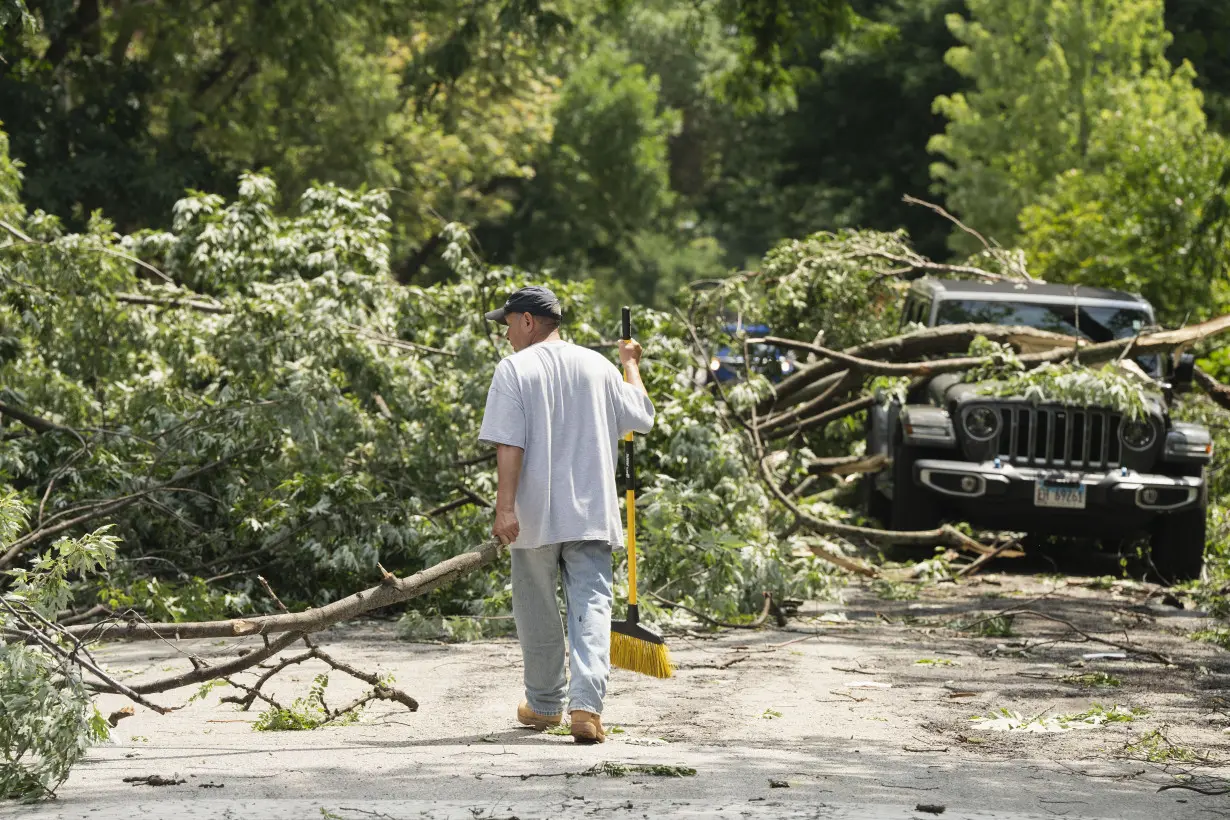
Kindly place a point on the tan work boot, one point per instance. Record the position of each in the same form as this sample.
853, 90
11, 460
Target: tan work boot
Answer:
529, 717
587, 727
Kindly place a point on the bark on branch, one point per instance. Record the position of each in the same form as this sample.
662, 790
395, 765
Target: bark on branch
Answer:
848, 465
311, 620
1214, 389
1037, 347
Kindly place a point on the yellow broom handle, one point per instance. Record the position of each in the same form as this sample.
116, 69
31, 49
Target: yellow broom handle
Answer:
630, 482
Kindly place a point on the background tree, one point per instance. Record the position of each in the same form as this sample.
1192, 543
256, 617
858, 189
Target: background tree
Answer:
1043, 73
1148, 211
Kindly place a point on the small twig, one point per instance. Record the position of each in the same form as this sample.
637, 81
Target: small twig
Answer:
476, 498
85, 664
982, 560
398, 343
846, 695
1126, 647
756, 624
192, 304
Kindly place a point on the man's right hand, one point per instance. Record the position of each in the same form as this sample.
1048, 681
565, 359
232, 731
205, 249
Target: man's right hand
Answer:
506, 528
629, 351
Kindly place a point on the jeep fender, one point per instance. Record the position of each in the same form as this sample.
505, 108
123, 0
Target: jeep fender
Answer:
923, 425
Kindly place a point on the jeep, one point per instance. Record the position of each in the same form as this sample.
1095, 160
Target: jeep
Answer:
1011, 463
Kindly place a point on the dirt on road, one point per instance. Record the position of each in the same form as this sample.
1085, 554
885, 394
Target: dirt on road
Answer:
859, 708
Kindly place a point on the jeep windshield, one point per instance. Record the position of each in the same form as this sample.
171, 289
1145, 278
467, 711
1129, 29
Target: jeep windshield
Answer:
1095, 323
1099, 323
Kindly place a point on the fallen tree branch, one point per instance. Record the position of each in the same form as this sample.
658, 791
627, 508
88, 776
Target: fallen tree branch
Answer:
1214, 389
312, 620
827, 417
829, 389
982, 560
1037, 346
55, 649
848, 465
934, 341
37, 424
756, 624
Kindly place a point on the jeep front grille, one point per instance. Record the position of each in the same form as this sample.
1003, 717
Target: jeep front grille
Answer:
1059, 437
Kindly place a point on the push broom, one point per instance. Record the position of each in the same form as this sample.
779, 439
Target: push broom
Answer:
633, 647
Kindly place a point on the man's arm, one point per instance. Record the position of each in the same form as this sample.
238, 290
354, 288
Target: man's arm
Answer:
630, 355
508, 472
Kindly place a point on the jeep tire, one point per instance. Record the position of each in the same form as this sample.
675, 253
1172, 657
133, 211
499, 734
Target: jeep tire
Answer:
1177, 544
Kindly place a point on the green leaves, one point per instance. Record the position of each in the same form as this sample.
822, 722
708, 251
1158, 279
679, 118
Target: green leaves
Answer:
46, 722
1047, 77
1078, 386
46, 719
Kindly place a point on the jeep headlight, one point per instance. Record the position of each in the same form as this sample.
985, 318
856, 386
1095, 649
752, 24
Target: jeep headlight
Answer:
1138, 434
981, 423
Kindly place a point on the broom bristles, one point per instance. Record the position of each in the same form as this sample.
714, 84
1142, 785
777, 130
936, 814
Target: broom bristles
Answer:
640, 656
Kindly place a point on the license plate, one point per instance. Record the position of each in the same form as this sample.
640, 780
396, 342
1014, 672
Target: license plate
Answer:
1065, 496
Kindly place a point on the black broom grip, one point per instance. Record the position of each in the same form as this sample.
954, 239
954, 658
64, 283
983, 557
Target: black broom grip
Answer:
629, 461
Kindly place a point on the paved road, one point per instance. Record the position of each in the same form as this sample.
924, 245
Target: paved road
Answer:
746, 711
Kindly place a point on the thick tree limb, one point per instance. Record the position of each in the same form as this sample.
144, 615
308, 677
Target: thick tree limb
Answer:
848, 465
312, 620
201, 674
934, 341
821, 419
1214, 389
1037, 346
829, 388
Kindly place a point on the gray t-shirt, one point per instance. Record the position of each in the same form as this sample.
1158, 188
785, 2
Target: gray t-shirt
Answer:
567, 407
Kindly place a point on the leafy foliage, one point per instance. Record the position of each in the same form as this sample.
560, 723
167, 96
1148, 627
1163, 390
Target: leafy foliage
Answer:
1048, 77
46, 718
1078, 386
838, 284
1147, 212
309, 712
331, 407
1095, 716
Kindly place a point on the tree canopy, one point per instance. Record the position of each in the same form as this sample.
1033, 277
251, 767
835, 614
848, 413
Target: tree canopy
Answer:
245, 249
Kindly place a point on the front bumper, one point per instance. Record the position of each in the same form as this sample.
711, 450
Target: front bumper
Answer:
1124, 489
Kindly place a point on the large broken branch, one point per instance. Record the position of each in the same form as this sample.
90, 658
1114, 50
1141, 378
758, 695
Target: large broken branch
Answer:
387, 593
1036, 346
934, 341
848, 465
1214, 389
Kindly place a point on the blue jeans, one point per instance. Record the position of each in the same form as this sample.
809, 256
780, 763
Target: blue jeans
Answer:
586, 567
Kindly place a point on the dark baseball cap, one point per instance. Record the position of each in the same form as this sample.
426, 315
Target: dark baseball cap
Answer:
534, 299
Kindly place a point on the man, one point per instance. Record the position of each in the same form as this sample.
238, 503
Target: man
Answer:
555, 413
